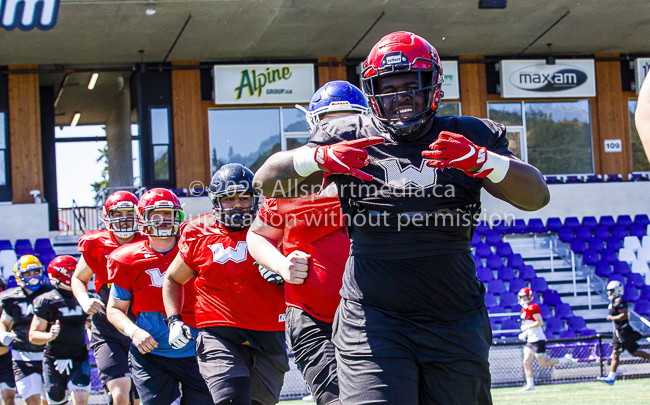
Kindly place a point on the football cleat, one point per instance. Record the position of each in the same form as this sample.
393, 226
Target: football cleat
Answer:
607, 380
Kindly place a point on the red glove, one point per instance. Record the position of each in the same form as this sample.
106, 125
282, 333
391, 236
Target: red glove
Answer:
346, 157
454, 150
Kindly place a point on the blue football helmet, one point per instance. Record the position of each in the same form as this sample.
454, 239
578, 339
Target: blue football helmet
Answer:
29, 263
335, 96
232, 179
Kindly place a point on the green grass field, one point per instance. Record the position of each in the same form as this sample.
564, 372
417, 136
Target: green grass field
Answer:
630, 392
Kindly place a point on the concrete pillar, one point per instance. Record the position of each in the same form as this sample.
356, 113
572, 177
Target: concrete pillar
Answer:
118, 137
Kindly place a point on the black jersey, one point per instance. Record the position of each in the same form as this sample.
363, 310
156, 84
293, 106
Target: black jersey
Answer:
62, 306
19, 306
616, 307
411, 226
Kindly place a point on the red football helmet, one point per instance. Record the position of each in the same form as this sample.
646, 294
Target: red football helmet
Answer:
61, 270
151, 213
403, 52
525, 296
126, 223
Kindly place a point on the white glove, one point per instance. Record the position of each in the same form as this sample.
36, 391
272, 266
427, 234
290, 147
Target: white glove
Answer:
6, 338
522, 336
179, 333
63, 366
270, 276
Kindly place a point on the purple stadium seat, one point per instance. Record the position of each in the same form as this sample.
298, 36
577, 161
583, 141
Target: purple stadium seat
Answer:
582, 351
619, 231
645, 292
596, 244
505, 273
624, 220
490, 301
510, 324
589, 332
516, 284
621, 268
476, 239
571, 222
609, 256
564, 311
482, 227
551, 298
642, 219
492, 238
5, 245
607, 221
566, 235
483, 250
501, 226
642, 307
556, 350
573, 180
613, 178
590, 257
601, 232
631, 293
577, 323
554, 224
494, 325
536, 225
527, 272
554, 325
603, 269
594, 178
508, 299
607, 349
637, 177
589, 222
515, 261
617, 277
496, 310
497, 287
538, 284
635, 279
546, 311
638, 231
46, 257
504, 249
578, 246
567, 334
42, 244
614, 244
583, 233
23, 247
484, 274
553, 180
516, 308
493, 261
519, 226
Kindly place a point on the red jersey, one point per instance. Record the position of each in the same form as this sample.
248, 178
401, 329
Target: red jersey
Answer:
137, 268
314, 225
95, 246
530, 310
229, 288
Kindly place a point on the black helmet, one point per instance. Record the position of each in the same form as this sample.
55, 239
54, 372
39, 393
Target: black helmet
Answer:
232, 179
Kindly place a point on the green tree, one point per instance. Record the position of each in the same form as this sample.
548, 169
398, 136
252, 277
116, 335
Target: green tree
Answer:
99, 186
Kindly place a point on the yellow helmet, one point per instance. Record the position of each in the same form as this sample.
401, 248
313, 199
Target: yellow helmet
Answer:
29, 263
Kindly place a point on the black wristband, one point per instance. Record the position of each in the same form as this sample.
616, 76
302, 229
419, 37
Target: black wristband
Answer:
173, 319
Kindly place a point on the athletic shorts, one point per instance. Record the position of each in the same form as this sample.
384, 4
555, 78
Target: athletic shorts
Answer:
310, 340
625, 339
157, 379
24, 369
225, 365
57, 383
6, 371
111, 351
385, 358
538, 348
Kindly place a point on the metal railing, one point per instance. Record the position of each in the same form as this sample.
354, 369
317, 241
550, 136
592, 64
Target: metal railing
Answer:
76, 220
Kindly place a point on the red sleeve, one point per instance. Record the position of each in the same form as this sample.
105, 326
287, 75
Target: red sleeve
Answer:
534, 309
119, 274
83, 245
185, 244
269, 213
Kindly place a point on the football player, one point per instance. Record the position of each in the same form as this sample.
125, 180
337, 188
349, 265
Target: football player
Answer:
241, 344
136, 271
66, 368
533, 334
311, 233
17, 314
624, 336
412, 326
7, 382
110, 347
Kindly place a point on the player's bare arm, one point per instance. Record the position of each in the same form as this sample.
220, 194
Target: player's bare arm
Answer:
79, 283
38, 334
176, 276
642, 116
538, 322
523, 187
263, 242
278, 178
620, 317
116, 314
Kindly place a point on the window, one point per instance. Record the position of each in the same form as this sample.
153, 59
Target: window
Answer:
3, 150
160, 128
553, 136
639, 159
249, 136
452, 108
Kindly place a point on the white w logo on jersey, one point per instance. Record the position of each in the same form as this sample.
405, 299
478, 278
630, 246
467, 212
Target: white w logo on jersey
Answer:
156, 277
396, 176
25, 308
237, 255
76, 311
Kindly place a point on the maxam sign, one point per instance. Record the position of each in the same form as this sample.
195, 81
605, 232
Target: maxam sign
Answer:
536, 79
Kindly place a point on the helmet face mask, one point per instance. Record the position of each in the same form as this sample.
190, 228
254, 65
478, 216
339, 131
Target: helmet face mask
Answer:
160, 213
28, 272
230, 181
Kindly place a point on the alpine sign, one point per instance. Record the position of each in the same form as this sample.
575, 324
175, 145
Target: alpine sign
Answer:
536, 79
29, 14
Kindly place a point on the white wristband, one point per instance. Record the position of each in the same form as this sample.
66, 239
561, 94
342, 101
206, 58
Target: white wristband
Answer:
304, 162
499, 165
130, 329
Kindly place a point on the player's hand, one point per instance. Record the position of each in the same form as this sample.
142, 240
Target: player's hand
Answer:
295, 268
524, 328
179, 333
269, 276
346, 157
143, 341
55, 330
91, 305
6, 338
454, 150
522, 336
63, 366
